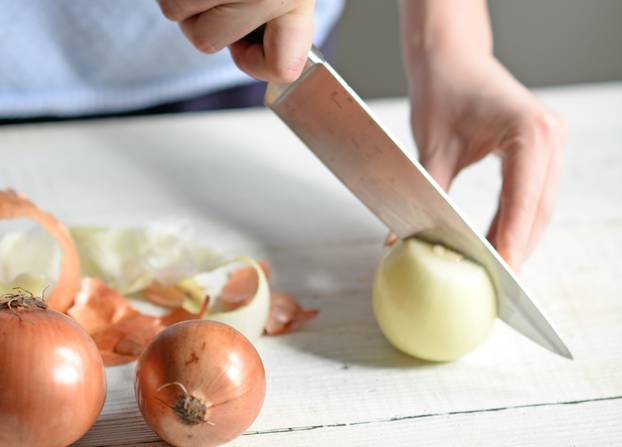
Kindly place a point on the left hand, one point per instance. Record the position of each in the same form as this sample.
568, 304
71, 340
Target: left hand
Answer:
465, 107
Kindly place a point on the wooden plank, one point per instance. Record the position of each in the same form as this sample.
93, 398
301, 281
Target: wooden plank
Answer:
585, 423
580, 424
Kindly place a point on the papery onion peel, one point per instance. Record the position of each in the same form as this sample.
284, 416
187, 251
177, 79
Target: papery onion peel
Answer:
286, 315
15, 206
120, 332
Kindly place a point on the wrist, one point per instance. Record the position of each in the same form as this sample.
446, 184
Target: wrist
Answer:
444, 27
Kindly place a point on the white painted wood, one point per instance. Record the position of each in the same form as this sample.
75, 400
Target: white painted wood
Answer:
249, 186
585, 424
582, 424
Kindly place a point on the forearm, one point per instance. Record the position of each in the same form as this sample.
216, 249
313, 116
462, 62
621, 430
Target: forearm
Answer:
437, 25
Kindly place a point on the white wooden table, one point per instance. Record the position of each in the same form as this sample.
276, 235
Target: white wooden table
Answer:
250, 187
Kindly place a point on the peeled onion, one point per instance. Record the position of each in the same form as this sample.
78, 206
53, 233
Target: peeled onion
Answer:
431, 302
200, 383
52, 381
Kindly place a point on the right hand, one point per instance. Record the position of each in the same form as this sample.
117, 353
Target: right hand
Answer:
212, 25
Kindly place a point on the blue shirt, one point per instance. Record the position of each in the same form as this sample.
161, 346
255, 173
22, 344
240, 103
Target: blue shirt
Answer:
72, 57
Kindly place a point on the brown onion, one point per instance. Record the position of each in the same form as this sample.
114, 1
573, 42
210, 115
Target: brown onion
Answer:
200, 383
52, 380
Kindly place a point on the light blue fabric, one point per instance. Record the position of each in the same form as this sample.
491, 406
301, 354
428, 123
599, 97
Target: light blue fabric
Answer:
71, 57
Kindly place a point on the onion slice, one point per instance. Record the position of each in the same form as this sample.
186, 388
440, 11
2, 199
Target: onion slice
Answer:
15, 206
242, 286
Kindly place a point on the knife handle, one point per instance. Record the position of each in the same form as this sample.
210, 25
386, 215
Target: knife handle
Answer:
255, 36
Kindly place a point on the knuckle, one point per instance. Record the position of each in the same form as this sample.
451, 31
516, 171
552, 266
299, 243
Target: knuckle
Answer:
522, 204
171, 10
544, 126
525, 203
547, 124
205, 46
519, 136
200, 42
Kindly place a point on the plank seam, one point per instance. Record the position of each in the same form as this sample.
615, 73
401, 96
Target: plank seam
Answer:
404, 418
428, 415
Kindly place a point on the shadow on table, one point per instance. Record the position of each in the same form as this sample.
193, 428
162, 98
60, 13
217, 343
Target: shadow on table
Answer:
239, 187
337, 347
346, 332
243, 190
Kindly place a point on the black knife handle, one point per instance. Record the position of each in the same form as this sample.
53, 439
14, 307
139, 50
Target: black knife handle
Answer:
255, 36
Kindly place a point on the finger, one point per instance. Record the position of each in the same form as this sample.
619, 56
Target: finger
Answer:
442, 165
391, 239
286, 44
213, 30
551, 186
525, 162
180, 10
442, 172
491, 235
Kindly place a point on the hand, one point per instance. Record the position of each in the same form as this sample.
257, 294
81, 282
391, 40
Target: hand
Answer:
465, 106
212, 25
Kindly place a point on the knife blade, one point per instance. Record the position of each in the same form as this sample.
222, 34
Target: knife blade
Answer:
339, 128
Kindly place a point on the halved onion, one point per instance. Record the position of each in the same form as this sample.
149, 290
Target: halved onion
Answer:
250, 319
431, 302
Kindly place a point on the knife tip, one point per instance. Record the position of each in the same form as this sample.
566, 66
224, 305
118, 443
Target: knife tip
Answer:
565, 352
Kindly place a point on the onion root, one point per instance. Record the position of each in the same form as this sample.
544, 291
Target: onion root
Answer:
189, 409
21, 300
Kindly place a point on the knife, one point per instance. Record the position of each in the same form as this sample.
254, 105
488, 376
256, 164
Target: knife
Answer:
339, 128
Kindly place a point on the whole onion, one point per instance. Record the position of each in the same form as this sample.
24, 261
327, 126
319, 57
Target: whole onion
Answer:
200, 383
52, 381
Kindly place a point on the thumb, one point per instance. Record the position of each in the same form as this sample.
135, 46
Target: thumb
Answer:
281, 57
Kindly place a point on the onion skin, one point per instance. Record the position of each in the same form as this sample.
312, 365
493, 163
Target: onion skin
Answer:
432, 303
15, 206
213, 363
52, 380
